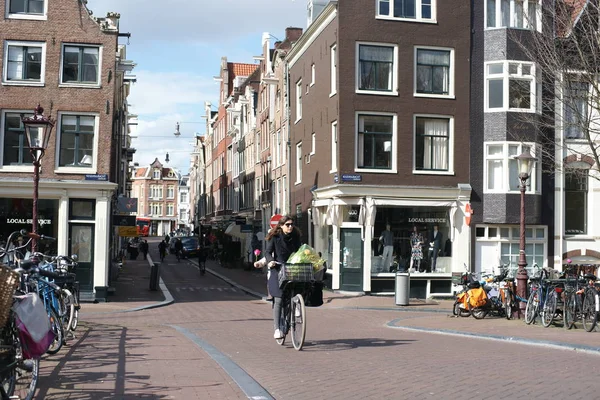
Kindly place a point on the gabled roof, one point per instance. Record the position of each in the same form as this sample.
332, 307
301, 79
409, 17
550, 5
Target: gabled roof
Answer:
567, 14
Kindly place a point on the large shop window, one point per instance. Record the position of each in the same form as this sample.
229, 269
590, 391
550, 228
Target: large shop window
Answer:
419, 10
376, 141
77, 140
80, 65
524, 14
15, 150
576, 202
510, 86
377, 68
434, 71
432, 144
576, 115
24, 63
501, 171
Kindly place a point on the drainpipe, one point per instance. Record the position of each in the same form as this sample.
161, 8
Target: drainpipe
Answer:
289, 144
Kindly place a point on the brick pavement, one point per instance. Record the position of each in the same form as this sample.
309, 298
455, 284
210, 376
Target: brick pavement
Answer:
357, 348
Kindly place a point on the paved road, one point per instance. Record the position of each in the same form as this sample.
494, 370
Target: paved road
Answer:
169, 352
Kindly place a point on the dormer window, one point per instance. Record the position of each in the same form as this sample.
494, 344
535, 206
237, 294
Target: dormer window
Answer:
156, 173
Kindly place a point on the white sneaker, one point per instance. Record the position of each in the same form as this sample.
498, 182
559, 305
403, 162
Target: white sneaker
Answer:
278, 334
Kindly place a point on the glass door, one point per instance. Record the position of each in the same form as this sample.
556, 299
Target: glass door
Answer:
81, 242
351, 259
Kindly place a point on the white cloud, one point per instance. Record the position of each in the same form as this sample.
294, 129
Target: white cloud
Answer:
202, 21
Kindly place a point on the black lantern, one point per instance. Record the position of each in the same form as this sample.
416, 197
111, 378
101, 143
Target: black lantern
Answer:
38, 129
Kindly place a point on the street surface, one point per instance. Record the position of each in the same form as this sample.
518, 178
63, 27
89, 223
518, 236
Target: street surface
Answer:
352, 352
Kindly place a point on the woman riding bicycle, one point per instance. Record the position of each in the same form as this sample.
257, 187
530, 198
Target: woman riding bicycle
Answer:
282, 241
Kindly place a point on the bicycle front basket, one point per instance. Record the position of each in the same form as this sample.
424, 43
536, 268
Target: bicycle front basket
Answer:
9, 280
296, 273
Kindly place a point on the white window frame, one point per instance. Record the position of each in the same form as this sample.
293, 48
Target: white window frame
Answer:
499, 24
156, 173
313, 139
170, 209
10, 43
42, 17
450, 170
506, 77
394, 84
298, 163
333, 76
418, 12
334, 147
534, 181
76, 170
13, 168
313, 74
96, 84
451, 73
170, 192
284, 194
298, 101
394, 168
568, 107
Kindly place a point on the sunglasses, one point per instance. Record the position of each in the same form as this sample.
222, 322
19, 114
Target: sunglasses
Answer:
289, 224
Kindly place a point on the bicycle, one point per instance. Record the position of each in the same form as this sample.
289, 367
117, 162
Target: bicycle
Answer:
202, 261
591, 304
296, 281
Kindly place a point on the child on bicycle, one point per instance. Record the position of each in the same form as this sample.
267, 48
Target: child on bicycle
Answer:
282, 241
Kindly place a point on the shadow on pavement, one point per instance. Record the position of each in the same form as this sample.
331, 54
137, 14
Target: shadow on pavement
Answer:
348, 344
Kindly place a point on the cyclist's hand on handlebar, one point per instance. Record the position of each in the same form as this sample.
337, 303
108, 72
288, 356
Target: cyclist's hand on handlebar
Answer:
272, 264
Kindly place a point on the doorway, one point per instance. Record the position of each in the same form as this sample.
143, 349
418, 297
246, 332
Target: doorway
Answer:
351, 260
81, 242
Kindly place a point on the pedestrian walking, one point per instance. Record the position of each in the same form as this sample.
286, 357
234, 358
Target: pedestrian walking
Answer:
162, 249
144, 248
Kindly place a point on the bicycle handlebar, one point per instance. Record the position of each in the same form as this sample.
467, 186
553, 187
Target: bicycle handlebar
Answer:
36, 236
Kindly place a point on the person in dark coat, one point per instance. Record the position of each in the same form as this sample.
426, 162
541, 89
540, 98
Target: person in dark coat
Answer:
282, 241
144, 248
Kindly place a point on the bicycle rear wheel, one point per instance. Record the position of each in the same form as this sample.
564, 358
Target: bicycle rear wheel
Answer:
59, 333
69, 310
20, 380
298, 317
549, 308
284, 321
531, 308
588, 312
507, 302
569, 310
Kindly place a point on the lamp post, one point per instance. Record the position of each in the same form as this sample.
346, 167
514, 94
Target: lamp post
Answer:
525, 163
37, 132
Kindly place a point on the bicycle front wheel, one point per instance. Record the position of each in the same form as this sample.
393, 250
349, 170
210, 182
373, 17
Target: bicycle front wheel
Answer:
549, 309
298, 318
570, 310
57, 328
69, 315
588, 312
531, 308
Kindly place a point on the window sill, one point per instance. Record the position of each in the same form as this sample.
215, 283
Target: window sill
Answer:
333, 171
298, 120
508, 192
428, 172
332, 94
575, 237
17, 168
75, 170
23, 83
297, 183
376, 171
80, 85
519, 110
377, 92
435, 96
415, 20
28, 16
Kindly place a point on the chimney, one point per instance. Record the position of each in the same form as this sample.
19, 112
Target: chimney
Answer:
292, 34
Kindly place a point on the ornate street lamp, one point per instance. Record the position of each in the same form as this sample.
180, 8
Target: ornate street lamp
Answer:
37, 131
525, 162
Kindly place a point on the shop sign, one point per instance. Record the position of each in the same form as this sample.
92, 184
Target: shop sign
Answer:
128, 231
246, 228
96, 177
22, 221
127, 204
351, 177
428, 220
123, 220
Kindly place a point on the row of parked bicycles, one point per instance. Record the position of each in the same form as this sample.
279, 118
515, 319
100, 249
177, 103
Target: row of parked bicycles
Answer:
39, 311
567, 297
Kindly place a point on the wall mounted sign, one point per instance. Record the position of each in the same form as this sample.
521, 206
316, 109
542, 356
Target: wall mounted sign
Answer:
96, 177
351, 177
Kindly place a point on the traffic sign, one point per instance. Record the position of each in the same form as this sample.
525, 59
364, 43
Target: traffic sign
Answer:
275, 220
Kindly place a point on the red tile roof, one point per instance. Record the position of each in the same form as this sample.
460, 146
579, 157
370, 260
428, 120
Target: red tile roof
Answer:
240, 69
567, 15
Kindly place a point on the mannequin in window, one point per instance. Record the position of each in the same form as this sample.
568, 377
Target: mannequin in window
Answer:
435, 244
416, 244
387, 240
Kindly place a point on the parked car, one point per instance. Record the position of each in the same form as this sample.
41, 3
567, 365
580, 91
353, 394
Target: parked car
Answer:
190, 245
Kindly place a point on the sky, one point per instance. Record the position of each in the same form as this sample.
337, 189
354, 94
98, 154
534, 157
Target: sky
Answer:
178, 51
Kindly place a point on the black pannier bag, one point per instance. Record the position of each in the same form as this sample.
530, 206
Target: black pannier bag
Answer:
314, 297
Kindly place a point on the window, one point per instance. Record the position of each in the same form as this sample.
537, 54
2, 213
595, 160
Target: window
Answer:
434, 71
298, 163
278, 148
284, 195
523, 14
432, 144
420, 10
510, 85
170, 209
314, 144
312, 74
27, 9
375, 141
80, 64
299, 100
15, 150
576, 193
333, 77
575, 108
170, 192
76, 140
183, 197
375, 70
501, 169
334, 139
24, 62
156, 209
156, 192
156, 173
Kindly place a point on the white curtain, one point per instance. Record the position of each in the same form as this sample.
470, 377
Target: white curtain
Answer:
15, 62
436, 144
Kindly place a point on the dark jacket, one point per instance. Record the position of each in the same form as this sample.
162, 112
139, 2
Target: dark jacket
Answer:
280, 248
